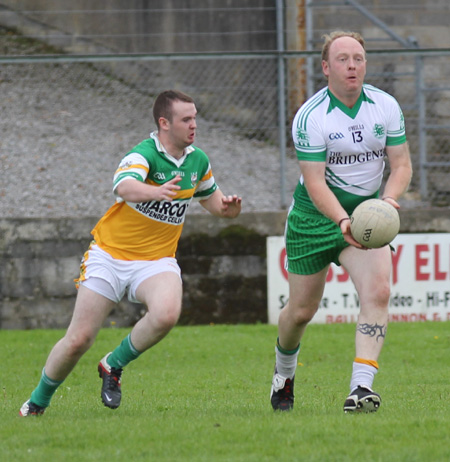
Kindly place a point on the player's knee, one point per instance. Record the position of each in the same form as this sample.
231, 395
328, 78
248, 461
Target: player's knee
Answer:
383, 293
383, 298
170, 318
302, 315
166, 319
77, 345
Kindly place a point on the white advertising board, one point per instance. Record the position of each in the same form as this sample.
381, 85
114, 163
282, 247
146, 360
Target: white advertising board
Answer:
420, 288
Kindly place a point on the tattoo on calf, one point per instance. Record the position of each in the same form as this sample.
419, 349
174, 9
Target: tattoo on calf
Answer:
372, 330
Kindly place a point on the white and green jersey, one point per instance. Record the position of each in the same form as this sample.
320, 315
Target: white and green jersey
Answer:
352, 142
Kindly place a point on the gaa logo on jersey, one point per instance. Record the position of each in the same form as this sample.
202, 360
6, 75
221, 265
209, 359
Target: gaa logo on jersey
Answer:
336, 136
194, 177
159, 176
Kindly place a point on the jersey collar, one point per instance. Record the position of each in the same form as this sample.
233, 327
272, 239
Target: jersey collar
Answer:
351, 112
160, 147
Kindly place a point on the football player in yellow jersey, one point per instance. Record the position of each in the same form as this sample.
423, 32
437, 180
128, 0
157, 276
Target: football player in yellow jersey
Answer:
134, 249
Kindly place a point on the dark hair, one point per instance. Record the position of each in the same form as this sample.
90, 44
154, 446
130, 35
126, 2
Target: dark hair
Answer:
330, 38
162, 106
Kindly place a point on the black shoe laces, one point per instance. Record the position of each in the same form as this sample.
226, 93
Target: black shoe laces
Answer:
113, 379
287, 392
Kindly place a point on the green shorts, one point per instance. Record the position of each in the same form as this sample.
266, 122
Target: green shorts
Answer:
313, 241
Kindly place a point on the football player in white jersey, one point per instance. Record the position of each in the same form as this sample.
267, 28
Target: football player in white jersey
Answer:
134, 249
342, 135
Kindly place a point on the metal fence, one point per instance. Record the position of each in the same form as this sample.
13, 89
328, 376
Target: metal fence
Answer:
417, 79
64, 100
239, 94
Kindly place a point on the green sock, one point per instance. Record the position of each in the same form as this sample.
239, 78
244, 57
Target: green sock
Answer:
287, 352
123, 354
43, 393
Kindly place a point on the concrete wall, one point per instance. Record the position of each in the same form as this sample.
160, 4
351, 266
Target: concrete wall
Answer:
155, 26
223, 265
158, 26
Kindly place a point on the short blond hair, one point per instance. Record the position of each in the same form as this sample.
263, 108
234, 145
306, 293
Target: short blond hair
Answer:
332, 36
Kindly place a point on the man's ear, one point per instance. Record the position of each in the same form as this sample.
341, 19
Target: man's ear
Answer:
163, 123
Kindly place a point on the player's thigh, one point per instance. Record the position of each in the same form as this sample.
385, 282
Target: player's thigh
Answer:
370, 270
306, 291
162, 291
91, 310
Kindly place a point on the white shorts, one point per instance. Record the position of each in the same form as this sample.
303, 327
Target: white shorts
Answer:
112, 278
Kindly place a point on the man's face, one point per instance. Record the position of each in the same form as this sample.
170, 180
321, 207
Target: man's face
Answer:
345, 68
182, 127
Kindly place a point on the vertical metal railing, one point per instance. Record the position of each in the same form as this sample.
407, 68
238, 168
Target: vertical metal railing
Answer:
423, 180
281, 63
309, 47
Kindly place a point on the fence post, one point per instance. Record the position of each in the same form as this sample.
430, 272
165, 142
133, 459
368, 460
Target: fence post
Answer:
309, 47
281, 102
420, 91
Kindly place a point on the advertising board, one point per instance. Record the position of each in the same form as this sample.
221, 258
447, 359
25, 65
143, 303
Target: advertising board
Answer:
420, 289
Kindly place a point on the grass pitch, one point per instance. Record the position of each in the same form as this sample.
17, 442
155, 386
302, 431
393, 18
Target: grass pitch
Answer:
202, 394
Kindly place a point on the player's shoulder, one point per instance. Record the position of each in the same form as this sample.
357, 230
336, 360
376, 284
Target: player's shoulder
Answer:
197, 157
146, 146
146, 149
314, 107
318, 100
316, 104
197, 152
377, 94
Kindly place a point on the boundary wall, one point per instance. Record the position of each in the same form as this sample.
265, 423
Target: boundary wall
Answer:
223, 266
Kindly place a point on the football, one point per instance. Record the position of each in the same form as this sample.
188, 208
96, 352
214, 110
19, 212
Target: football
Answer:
374, 223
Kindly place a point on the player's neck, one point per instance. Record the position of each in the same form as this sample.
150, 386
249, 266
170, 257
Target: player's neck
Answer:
170, 148
348, 99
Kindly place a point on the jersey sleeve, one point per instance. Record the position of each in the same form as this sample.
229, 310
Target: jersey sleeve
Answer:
396, 133
206, 186
307, 133
133, 165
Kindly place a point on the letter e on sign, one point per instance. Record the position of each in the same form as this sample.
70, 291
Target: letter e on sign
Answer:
421, 262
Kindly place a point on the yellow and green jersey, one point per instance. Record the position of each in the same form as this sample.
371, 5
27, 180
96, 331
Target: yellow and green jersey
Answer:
151, 230
351, 141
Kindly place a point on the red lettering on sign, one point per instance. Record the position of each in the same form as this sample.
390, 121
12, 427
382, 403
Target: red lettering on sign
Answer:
420, 261
395, 260
329, 274
411, 317
283, 263
340, 319
438, 275
343, 276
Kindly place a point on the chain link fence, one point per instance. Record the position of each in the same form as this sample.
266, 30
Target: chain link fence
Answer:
69, 121
61, 111
418, 80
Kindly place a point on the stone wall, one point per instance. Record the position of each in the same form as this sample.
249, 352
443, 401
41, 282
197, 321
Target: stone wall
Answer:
223, 265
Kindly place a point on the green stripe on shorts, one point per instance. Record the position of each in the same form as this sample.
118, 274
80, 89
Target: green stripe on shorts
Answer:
313, 241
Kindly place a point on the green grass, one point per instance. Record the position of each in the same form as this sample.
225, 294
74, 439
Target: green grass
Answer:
202, 395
